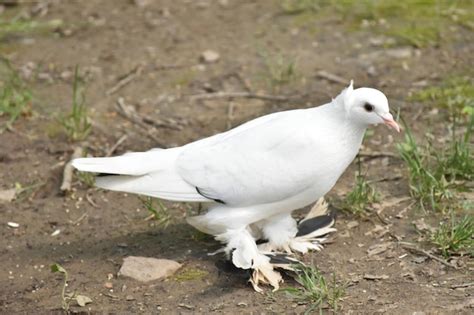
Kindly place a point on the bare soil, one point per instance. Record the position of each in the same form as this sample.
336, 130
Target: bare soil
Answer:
109, 39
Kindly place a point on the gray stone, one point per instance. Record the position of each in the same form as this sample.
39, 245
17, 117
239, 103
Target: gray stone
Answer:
147, 269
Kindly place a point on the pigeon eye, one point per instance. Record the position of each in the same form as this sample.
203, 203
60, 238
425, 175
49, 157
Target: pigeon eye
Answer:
368, 107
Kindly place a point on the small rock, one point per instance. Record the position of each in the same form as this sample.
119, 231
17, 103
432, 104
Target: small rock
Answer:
129, 298
108, 285
242, 304
45, 76
189, 307
147, 269
13, 225
210, 56
422, 83
7, 195
375, 277
419, 259
371, 71
65, 75
141, 3
399, 53
352, 224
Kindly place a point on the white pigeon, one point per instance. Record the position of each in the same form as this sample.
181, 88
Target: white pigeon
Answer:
255, 175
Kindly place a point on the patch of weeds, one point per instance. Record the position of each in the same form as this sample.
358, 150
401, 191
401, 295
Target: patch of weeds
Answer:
86, 178
21, 26
455, 94
413, 22
161, 214
360, 197
426, 186
15, 97
437, 173
67, 298
77, 123
300, 6
201, 236
25, 192
190, 274
457, 163
184, 78
315, 290
280, 69
455, 236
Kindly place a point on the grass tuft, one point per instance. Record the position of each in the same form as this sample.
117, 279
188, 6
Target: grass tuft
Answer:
77, 123
300, 6
361, 196
436, 174
426, 186
455, 94
455, 236
281, 70
160, 214
67, 298
22, 26
315, 290
191, 274
15, 97
413, 22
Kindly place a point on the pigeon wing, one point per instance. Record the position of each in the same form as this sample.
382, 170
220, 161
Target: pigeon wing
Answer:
259, 162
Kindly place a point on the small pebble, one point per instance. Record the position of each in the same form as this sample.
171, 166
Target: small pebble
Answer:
210, 56
13, 225
108, 285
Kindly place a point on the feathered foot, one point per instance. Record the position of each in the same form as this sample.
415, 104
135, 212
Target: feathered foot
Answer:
266, 273
243, 252
312, 231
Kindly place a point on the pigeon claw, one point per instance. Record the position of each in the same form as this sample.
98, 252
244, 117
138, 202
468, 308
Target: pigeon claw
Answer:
265, 274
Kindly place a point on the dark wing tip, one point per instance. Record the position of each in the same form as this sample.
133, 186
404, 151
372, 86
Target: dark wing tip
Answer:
316, 223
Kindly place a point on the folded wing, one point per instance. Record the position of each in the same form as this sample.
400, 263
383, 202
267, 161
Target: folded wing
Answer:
263, 162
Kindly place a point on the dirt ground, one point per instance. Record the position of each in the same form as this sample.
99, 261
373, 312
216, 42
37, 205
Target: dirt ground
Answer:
162, 42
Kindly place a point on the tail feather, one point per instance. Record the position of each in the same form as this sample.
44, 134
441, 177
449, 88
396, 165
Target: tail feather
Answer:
151, 173
165, 184
137, 163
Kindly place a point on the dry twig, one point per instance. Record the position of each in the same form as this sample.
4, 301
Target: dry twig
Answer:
207, 96
410, 247
69, 169
116, 145
331, 77
376, 154
126, 79
462, 285
92, 202
130, 114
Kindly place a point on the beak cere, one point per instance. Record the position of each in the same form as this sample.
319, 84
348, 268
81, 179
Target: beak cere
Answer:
390, 122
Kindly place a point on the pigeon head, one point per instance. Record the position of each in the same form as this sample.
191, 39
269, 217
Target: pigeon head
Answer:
367, 106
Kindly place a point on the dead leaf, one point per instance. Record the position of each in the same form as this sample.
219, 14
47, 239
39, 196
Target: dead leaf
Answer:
378, 248
422, 226
375, 277
82, 300
352, 224
7, 195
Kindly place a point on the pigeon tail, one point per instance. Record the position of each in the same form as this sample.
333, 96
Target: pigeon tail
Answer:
152, 173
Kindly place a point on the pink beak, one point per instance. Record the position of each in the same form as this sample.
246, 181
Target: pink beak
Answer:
390, 122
